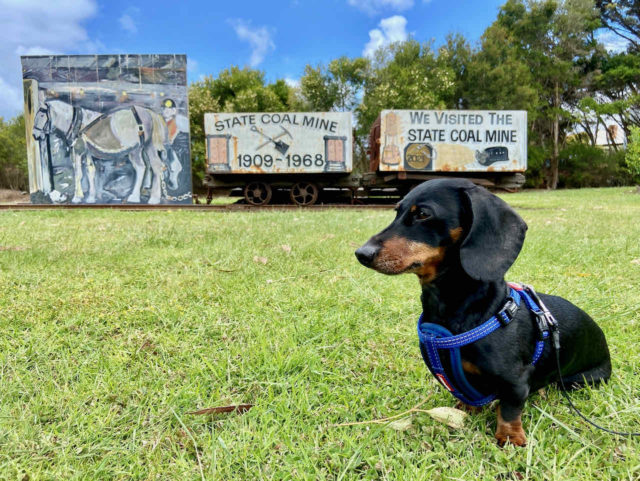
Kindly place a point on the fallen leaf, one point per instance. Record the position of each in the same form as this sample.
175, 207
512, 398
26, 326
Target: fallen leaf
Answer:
286, 248
401, 424
452, 417
240, 408
262, 260
636, 262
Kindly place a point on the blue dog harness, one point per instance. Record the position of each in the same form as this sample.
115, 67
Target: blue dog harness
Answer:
434, 337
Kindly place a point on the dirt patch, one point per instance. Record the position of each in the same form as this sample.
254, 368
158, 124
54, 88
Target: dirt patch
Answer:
13, 196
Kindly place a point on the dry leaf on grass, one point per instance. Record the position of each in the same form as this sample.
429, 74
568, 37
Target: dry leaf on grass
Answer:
452, 417
240, 408
12, 248
636, 262
262, 260
286, 248
401, 424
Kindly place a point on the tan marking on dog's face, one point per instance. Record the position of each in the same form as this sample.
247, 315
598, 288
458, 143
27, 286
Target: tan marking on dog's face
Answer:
399, 255
413, 208
455, 234
510, 432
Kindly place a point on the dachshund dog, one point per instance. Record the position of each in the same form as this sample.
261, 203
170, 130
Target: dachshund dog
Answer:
460, 240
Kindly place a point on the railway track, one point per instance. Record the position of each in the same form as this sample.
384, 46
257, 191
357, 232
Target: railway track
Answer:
192, 207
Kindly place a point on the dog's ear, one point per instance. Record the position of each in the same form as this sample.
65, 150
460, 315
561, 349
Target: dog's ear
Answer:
495, 236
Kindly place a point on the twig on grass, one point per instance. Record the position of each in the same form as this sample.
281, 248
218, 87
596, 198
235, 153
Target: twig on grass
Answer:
241, 408
271, 281
385, 420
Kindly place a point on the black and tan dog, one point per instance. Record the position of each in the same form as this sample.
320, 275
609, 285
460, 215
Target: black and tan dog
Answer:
460, 240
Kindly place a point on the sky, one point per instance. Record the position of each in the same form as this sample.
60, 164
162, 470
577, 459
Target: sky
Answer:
277, 37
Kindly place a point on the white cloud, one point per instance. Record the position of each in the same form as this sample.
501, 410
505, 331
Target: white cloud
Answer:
373, 6
392, 29
38, 27
128, 24
292, 82
259, 39
612, 42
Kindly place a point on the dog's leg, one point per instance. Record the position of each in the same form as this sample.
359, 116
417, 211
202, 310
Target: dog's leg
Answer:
509, 415
510, 426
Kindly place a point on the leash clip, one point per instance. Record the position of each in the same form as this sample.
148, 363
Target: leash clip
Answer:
543, 325
546, 322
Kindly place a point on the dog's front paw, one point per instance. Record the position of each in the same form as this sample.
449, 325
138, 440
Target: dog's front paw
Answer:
511, 433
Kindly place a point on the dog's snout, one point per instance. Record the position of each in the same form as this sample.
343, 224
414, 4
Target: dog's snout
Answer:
366, 254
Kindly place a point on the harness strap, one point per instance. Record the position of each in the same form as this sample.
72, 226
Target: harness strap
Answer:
140, 125
74, 128
434, 337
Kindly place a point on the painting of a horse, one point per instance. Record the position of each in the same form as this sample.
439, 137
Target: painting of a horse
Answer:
135, 131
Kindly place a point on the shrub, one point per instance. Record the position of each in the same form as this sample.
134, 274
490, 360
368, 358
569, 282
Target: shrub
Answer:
632, 157
582, 165
13, 155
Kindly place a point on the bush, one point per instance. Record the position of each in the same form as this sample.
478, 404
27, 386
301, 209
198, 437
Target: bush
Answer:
13, 155
535, 166
582, 165
632, 157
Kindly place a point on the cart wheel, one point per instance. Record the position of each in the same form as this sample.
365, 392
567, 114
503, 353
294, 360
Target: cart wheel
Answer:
304, 193
257, 193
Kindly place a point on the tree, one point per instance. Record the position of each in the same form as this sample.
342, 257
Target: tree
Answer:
234, 90
622, 17
405, 75
555, 40
13, 154
335, 87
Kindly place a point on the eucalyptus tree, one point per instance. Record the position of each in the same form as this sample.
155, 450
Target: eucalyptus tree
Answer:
554, 39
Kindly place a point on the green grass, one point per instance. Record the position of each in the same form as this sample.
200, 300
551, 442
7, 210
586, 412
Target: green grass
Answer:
114, 325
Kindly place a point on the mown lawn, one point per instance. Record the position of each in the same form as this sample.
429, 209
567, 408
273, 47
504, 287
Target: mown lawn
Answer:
115, 325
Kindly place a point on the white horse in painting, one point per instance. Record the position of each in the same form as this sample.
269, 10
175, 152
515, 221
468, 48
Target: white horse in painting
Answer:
128, 131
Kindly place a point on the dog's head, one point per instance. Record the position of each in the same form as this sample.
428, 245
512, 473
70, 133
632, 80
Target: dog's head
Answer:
447, 221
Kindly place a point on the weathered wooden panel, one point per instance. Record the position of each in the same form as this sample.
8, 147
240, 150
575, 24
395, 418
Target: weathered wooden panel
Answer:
453, 140
279, 142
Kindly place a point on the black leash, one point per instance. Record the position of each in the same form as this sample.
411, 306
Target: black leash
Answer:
555, 336
546, 322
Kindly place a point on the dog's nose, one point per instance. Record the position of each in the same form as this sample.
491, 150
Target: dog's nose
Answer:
366, 254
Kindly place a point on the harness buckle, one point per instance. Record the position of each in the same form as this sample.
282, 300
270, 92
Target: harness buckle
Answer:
507, 313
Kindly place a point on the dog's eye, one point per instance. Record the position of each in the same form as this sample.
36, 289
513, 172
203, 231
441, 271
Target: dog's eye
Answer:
422, 215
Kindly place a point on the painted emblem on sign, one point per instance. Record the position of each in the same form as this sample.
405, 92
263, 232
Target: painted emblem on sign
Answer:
419, 157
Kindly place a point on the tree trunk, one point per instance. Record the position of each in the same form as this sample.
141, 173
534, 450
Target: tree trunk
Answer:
553, 174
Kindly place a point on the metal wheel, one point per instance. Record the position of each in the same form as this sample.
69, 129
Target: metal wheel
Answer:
304, 193
257, 193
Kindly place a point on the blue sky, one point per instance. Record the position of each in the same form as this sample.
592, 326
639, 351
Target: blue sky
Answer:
278, 37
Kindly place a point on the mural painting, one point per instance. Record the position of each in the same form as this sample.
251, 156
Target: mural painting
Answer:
107, 129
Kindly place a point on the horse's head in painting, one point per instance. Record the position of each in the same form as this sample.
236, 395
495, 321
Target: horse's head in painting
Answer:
42, 122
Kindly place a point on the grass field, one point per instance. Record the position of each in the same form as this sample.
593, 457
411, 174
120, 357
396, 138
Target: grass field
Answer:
115, 325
